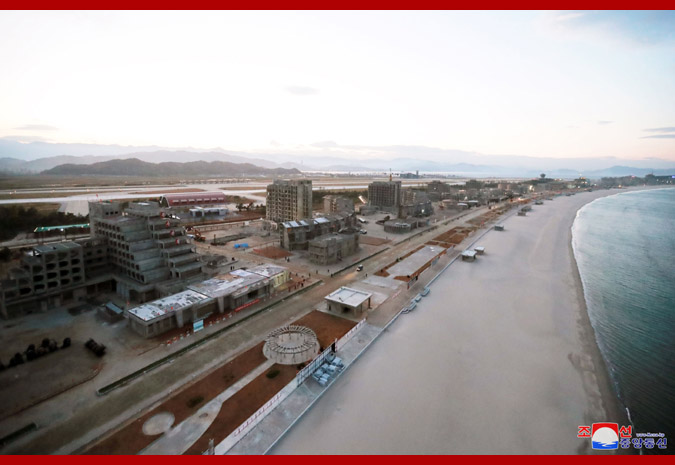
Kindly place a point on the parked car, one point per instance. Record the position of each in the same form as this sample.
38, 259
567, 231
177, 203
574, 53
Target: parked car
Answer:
359, 268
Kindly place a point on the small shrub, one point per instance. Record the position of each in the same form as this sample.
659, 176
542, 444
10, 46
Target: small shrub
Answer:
272, 373
195, 401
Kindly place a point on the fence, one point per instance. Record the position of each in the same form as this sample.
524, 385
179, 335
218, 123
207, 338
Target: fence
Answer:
312, 366
343, 340
302, 375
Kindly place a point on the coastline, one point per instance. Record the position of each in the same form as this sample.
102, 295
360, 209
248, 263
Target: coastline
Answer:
586, 391
612, 403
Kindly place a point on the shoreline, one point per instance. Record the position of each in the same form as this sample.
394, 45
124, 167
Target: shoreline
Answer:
612, 403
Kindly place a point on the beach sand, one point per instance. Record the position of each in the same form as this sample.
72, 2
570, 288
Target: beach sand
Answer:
500, 357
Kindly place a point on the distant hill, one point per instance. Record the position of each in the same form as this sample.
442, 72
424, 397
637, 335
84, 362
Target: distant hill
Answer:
18, 166
136, 167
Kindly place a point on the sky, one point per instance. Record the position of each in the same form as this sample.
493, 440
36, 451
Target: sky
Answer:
542, 84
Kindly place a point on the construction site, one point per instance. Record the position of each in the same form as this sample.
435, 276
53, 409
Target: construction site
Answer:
185, 325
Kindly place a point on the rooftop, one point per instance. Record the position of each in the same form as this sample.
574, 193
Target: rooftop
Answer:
416, 261
348, 296
268, 270
65, 245
227, 284
166, 305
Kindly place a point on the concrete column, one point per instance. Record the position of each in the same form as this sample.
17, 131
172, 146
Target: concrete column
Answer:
221, 304
179, 318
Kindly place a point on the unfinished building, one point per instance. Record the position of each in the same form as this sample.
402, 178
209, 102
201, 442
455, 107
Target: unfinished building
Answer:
295, 235
337, 204
145, 246
385, 195
231, 292
289, 200
131, 251
332, 248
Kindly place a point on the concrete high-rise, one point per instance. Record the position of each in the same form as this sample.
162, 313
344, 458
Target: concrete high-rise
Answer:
289, 200
385, 195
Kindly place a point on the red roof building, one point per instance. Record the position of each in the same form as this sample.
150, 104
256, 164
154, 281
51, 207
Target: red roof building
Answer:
192, 198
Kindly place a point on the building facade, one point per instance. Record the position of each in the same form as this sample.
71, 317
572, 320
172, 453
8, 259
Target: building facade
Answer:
348, 300
332, 248
337, 204
385, 195
289, 200
295, 235
133, 252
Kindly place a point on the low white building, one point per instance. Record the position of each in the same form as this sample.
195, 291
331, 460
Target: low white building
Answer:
347, 299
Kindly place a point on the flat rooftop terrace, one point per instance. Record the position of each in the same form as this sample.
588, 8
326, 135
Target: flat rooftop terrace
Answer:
416, 261
157, 308
348, 296
227, 284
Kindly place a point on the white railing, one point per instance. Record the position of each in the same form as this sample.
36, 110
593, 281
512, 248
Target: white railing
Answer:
343, 340
263, 411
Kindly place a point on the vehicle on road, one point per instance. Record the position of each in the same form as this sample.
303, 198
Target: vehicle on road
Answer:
359, 268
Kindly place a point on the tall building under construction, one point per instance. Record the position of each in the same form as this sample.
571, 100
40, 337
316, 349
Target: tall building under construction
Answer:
289, 200
385, 195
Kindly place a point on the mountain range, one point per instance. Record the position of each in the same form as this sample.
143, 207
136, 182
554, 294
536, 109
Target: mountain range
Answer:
35, 157
136, 167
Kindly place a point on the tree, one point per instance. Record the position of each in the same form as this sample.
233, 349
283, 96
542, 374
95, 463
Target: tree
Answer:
542, 175
240, 206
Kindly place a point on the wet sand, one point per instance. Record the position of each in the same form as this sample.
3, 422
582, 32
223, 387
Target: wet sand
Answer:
500, 357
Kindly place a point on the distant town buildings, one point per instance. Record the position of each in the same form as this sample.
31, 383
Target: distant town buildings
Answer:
192, 199
289, 200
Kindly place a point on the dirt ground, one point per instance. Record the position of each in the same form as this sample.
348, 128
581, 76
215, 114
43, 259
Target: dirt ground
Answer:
272, 252
243, 404
326, 326
35, 381
251, 397
131, 439
370, 240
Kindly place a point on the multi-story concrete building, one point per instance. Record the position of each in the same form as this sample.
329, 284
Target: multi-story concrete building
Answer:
145, 246
415, 203
337, 204
385, 195
295, 235
133, 251
331, 248
54, 275
289, 200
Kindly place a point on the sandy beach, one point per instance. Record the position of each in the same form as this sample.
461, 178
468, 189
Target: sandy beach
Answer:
499, 358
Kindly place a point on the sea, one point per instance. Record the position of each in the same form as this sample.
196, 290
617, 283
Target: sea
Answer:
625, 250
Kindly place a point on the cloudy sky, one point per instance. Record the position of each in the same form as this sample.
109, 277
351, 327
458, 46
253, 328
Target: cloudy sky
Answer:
555, 84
